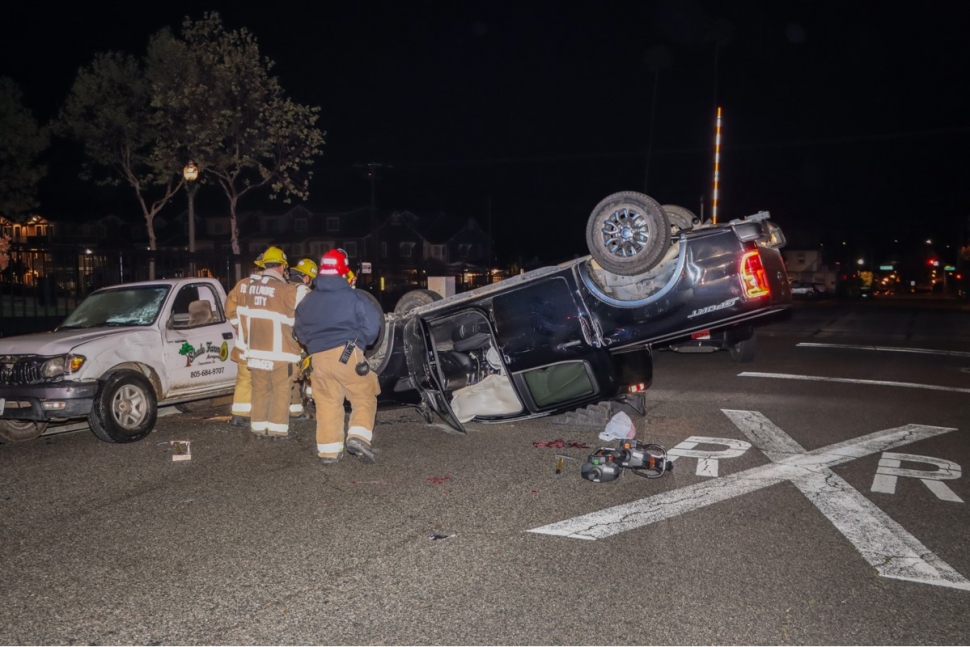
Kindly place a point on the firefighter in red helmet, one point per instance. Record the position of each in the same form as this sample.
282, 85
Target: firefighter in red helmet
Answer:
336, 323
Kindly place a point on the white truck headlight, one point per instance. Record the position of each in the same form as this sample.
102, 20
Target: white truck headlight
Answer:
53, 367
57, 366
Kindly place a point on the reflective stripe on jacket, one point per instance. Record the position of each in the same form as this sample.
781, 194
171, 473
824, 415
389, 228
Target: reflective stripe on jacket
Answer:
235, 300
265, 313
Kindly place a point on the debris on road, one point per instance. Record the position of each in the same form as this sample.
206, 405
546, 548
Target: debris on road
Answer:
620, 427
559, 443
559, 462
182, 448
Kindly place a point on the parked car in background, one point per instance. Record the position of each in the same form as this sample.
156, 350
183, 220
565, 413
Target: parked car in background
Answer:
809, 290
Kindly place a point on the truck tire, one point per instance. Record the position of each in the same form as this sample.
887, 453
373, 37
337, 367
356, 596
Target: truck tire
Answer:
16, 431
415, 299
743, 351
681, 218
125, 408
628, 233
217, 406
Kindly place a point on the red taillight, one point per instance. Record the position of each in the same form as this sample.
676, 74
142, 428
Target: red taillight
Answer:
701, 334
753, 278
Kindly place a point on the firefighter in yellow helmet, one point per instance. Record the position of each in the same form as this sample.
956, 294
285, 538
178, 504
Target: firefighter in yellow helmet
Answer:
243, 393
272, 353
302, 273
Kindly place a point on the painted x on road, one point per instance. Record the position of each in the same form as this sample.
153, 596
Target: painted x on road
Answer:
884, 544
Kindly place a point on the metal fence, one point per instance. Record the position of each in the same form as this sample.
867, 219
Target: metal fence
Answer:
42, 285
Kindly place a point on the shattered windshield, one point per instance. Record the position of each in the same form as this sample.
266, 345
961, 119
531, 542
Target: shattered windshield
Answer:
118, 307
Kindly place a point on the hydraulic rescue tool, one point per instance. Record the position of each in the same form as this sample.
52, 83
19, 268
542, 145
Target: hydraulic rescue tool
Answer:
607, 463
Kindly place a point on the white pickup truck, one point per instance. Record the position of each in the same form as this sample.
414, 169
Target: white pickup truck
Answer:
123, 352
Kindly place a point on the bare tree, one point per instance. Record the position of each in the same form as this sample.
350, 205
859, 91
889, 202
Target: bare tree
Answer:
126, 138
239, 125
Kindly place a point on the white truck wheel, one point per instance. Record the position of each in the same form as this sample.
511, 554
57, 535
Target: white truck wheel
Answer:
125, 408
15, 431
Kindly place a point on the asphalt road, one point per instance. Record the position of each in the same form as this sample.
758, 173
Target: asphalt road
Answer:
793, 516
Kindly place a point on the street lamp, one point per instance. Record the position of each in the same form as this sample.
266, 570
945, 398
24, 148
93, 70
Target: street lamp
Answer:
191, 174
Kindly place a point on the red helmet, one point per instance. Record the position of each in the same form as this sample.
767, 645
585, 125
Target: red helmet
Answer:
334, 263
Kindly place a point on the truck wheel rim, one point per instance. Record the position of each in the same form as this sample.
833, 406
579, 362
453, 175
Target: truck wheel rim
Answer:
129, 406
625, 233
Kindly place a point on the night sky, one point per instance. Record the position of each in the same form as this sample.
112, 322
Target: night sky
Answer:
846, 120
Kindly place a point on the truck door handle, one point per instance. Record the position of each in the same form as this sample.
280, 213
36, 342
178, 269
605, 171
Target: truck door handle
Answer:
227, 335
589, 330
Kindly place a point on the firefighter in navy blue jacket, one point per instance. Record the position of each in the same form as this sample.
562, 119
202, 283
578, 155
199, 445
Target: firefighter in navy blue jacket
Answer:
332, 316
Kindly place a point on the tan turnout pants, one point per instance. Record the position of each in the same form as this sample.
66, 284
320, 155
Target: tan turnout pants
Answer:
242, 398
271, 400
332, 382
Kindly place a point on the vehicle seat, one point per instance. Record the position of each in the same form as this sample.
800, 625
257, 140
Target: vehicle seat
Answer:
455, 368
200, 313
470, 335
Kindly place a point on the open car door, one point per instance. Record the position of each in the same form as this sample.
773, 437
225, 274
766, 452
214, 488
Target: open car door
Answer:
423, 365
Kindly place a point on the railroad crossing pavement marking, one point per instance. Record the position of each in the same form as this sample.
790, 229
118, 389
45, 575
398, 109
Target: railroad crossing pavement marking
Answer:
889, 472
883, 543
707, 461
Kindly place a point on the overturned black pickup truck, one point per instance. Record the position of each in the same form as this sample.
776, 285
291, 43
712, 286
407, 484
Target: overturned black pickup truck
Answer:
563, 337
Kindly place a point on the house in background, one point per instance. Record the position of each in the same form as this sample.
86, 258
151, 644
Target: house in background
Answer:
411, 248
32, 230
301, 233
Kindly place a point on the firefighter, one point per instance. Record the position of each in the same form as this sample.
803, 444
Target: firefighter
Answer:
272, 351
302, 273
336, 323
242, 396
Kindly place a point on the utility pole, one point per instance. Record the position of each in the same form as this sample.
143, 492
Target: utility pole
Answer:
371, 173
491, 242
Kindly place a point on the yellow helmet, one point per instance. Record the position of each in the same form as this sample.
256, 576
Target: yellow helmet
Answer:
274, 255
259, 261
307, 267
